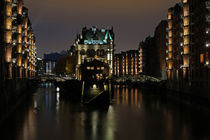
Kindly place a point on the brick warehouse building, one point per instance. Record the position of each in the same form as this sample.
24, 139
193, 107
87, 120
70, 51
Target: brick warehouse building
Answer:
126, 63
189, 45
17, 41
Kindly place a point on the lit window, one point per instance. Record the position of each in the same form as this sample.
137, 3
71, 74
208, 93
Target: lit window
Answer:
92, 68
170, 33
9, 23
186, 40
186, 49
186, 21
88, 68
170, 55
169, 16
170, 65
186, 61
8, 38
186, 30
9, 10
170, 41
186, 10
170, 48
201, 58
170, 24
184, 1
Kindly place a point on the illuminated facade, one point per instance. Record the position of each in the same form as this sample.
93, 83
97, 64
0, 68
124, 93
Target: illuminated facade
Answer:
18, 50
126, 63
174, 43
188, 44
94, 44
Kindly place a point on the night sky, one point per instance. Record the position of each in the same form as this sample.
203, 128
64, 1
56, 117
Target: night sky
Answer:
56, 22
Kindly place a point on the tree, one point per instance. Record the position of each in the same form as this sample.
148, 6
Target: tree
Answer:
65, 66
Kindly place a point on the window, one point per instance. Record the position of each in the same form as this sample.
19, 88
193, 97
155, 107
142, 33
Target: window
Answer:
8, 38
184, 1
201, 58
170, 65
186, 10
186, 61
170, 24
170, 33
170, 48
186, 49
186, 21
186, 40
9, 10
186, 30
170, 41
169, 16
170, 55
19, 48
9, 23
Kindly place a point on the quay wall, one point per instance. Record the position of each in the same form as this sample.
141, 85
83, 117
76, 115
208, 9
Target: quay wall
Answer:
13, 93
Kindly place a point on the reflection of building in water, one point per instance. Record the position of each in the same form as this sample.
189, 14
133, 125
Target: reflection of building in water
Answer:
29, 128
128, 96
94, 44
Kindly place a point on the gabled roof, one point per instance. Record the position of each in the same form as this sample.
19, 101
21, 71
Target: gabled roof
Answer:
95, 36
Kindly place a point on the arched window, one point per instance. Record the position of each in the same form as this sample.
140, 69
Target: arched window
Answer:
98, 52
93, 52
82, 52
102, 53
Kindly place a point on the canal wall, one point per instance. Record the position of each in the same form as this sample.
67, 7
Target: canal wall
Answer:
196, 96
187, 94
13, 93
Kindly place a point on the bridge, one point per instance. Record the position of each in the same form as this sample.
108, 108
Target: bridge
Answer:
137, 78
51, 78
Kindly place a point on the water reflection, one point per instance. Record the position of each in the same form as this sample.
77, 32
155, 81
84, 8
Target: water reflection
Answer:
127, 96
135, 114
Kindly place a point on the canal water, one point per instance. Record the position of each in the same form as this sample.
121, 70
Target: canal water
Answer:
134, 114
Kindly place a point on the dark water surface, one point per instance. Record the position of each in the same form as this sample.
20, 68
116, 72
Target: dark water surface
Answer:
135, 114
